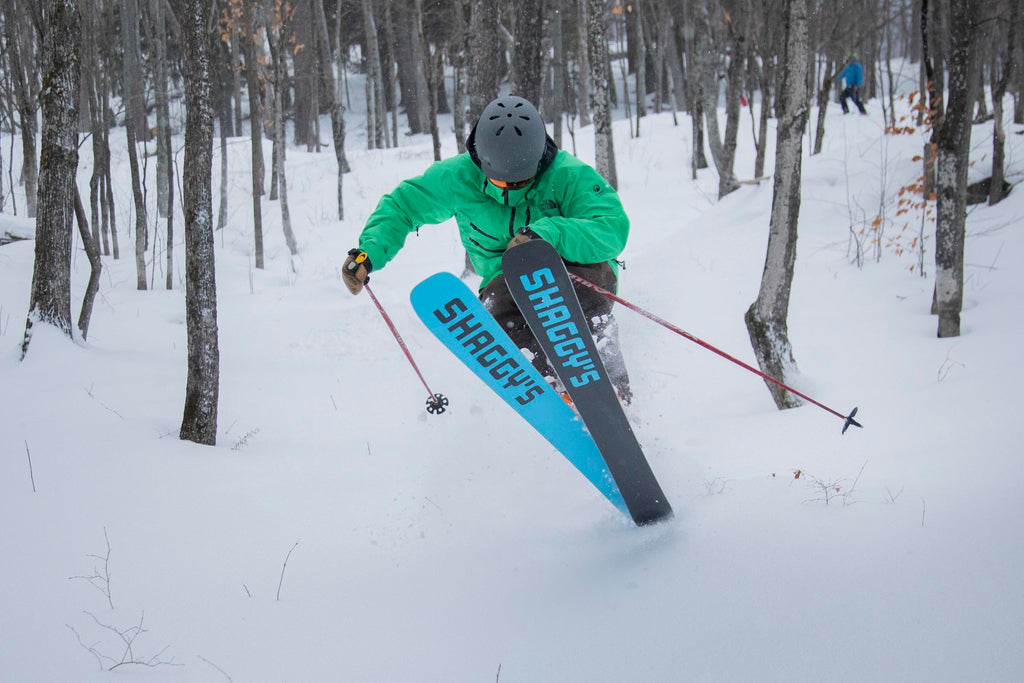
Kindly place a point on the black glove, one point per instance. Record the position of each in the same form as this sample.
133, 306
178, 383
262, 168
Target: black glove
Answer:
356, 270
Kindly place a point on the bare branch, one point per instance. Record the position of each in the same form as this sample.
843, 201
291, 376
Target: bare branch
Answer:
283, 567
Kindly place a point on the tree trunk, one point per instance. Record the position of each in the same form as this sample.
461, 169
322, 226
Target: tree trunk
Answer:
432, 71
458, 59
484, 56
236, 64
135, 104
305, 84
597, 50
581, 72
951, 177
526, 61
334, 97
641, 63
766, 317
50, 301
279, 71
999, 88
249, 9
164, 175
766, 78
26, 103
824, 95
734, 89
129, 14
199, 420
376, 107
92, 251
935, 85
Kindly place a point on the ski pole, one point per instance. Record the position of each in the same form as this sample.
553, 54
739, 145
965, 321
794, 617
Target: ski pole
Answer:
847, 419
436, 403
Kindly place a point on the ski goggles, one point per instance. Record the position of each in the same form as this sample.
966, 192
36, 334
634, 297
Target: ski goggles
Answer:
517, 185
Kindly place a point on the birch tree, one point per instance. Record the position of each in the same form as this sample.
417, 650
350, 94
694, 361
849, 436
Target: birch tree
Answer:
50, 301
199, 421
954, 139
600, 105
766, 317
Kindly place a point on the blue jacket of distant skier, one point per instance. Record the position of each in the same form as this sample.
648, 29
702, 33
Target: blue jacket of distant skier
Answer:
853, 75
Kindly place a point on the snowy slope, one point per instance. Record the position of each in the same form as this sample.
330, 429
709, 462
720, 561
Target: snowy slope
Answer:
461, 547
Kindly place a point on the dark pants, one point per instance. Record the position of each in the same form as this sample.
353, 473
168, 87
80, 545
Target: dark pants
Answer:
597, 309
851, 93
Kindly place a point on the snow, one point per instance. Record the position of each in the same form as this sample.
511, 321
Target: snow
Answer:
338, 532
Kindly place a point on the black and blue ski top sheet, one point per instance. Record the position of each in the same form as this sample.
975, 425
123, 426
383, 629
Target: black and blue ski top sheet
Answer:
453, 313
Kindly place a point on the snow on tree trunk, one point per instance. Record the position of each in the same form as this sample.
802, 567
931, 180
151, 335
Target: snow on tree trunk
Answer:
199, 422
766, 317
954, 140
600, 106
50, 300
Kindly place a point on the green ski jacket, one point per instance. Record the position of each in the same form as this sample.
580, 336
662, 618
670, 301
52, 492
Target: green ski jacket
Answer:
568, 204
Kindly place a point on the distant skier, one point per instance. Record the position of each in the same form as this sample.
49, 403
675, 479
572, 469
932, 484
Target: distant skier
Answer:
853, 78
512, 184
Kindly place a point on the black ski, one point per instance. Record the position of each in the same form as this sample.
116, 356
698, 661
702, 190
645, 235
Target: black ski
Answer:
541, 287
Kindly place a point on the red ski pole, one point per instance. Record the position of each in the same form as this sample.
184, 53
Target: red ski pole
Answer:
436, 403
847, 419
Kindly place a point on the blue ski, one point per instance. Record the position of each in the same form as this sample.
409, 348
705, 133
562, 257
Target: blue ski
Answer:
452, 312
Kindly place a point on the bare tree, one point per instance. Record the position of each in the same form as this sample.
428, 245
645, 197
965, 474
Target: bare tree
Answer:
129, 34
999, 88
199, 421
250, 13
766, 317
600, 105
458, 49
92, 251
527, 58
280, 71
334, 96
432, 70
933, 76
954, 140
484, 56
164, 157
22, 71
376, 103
50, 301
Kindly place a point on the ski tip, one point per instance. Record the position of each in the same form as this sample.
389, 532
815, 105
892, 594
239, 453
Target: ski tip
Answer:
851, 422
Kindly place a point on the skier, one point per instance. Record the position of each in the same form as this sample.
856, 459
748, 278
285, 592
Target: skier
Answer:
853, 77
513, 184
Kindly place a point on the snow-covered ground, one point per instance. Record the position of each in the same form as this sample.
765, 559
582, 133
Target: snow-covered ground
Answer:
339, 533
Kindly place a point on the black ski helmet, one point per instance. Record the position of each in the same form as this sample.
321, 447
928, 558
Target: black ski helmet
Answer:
510, 139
